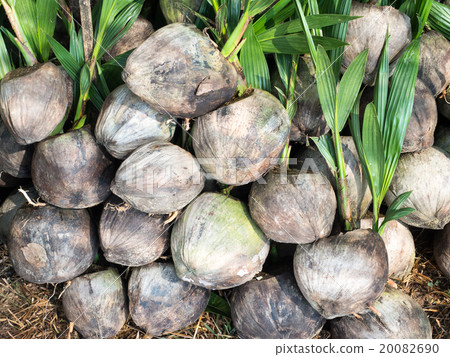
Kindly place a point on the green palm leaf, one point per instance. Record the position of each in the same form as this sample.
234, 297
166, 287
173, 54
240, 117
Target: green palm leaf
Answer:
326, 86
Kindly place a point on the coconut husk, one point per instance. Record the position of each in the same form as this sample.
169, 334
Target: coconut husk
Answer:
178, 10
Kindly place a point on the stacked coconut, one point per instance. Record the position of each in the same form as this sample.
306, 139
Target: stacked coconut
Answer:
217, 241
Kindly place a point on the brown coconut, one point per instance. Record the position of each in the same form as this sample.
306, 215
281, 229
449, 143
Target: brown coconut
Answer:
238, 143
359, 194
442, 250
126, 123
273, 307
71, 170
130, 237
434, 61
369, 31
216, 244
96, 304
160, 302
159, 178
399, 317
294, 207
51, 245
33, 101
343, 274
178, 70
179, 10
427, 175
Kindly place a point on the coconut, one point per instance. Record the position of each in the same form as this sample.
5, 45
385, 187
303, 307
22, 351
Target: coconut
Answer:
293, 208
9, 208
442, 250
126, 123
343, 274
33, 101
442, 139
179, 10
399, 316
238, 143
96, 304
216, 244
135, 36
178, 70
48, 244
15, 159
369, 31
130, 237
273, 307
160, 302
71, 170
359, 194
308, 120
69, 85
426, 174
434, 73
399, 244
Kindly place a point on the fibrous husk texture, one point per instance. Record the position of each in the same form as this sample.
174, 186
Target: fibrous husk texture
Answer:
216, 244
369, 31
294, 207
126, 123
160, 302
442, 250
130, 237
159, 178
426, 174
178, 70
72, 171
343, 274
273, 307
51, 245
238, 143
399, 316
96, 304
33, 101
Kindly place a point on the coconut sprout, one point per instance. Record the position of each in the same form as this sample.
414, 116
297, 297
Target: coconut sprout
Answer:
397, 316
179, 11
294, 207
48, 244
126, 123
179, 71
343, 274
130, 237
442, 250
216, 244
33, 101
159, 178
426, 174
239, 142
96, 304
160, 302
72, 171
273, 307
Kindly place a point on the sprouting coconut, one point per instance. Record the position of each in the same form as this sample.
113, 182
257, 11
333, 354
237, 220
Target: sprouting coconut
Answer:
434, 73
294, 207
216, 244
398, 316
426, 174
343, 274
48, 244
178, 70
358, 190
33, 101
273, 307
160, 302
442, 250
130, 237
96, 304
369, 31
239, 142
442, 139
179, 10
399, 244
15, 159
159, 178
71, 170
126, 123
